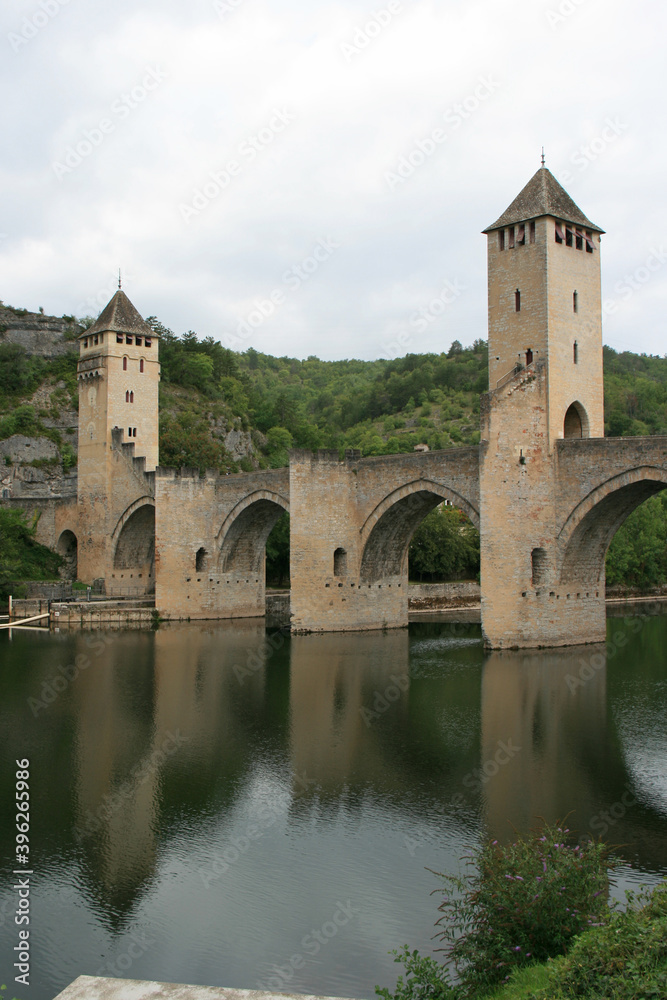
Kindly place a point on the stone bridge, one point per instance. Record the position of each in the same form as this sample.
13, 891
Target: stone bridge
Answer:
351, 526
546, 489
199, 542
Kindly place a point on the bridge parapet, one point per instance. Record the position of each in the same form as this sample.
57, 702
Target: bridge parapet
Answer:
600, 481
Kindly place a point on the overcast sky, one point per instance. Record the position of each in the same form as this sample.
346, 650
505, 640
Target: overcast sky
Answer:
310, 176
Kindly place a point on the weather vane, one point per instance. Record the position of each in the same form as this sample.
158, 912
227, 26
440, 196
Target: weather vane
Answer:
542, 155
119, 283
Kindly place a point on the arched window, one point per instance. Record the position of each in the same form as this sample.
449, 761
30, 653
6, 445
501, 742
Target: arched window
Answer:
517, 301
127, 395
575, 424
131, 397
200, 560
141, 364
124, 364
340, 562
575, 353
529, 357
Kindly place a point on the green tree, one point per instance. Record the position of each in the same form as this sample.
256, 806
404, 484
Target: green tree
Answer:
279, 442
445, 546
197, 370
637, 556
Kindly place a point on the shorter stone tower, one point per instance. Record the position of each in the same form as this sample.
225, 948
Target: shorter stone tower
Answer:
118, 374
545, 382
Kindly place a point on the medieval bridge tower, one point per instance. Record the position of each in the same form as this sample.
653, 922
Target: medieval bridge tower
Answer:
553, 490
118, 375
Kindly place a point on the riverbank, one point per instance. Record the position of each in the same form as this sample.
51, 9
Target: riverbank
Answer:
624, 960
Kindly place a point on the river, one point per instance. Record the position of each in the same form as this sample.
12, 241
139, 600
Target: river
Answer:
224, 805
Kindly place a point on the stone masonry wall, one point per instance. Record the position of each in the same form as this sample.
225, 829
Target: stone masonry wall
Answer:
511, 333
197, 516
518, 481
573, 270
354, 506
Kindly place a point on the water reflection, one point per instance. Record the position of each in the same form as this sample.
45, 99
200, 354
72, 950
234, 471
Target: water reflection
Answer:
558, 736
227, 786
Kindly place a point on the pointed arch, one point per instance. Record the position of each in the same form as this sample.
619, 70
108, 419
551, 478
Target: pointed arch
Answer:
587, 533
575, 422
243, 534
387, 532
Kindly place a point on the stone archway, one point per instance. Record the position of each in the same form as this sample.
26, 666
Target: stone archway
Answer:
242, 537
67, 546
134, 549
588, 531
388, 531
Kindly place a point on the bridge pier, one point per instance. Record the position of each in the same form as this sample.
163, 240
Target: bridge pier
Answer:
327, 591
351, 526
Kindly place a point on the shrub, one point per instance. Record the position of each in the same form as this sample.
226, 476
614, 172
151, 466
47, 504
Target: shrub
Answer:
624, 960
68, 456
523, 903
425, 979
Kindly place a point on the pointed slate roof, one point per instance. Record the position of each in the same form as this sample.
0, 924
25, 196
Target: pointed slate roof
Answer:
543, 195
120, 316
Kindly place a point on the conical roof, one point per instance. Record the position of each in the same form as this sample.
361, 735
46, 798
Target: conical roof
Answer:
120, 316
543, 195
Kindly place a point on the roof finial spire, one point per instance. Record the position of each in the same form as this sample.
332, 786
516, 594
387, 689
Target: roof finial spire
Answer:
542, 155
119, 281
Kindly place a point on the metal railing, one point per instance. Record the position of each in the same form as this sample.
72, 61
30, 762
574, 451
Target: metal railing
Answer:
508, 376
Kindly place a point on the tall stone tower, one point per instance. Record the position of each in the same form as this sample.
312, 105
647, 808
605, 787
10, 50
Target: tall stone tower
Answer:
118, 374
545, 382
544, 303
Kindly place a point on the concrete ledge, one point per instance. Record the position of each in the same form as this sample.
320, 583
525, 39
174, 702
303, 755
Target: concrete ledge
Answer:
103, 988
